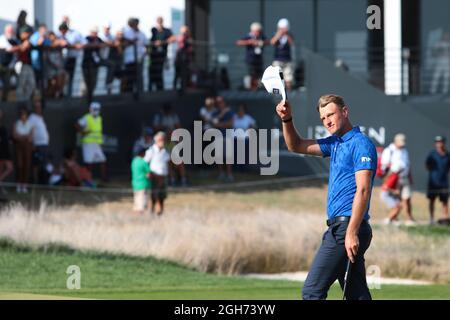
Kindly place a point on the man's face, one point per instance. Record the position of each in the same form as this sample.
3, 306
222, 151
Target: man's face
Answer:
42, 31
9, 31
440, 145
37, 107
95, 112
160, 21
220, 102
333, 118
160, 141
256, 32
283, 30
25, 35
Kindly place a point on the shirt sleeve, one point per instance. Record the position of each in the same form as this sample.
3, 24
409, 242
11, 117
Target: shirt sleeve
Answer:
325, 145
82, 122
148, 155
364, 156
385, 158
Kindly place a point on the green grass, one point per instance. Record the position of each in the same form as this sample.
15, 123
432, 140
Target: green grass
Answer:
42, 271
433, 231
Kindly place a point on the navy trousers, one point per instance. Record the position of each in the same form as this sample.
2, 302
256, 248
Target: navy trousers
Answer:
330, 263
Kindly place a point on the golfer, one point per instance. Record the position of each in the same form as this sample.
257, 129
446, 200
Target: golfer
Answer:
352, 170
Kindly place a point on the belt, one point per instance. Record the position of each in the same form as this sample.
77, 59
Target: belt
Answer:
337, 219
332, 221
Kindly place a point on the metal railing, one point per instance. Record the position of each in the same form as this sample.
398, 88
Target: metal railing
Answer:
215, 67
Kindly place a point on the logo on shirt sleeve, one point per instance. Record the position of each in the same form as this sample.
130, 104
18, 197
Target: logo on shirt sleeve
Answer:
366, 159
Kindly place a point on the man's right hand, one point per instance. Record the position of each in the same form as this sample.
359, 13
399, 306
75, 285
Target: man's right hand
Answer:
284, 110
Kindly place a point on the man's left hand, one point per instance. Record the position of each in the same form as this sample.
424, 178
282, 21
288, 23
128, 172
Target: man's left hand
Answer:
351, 245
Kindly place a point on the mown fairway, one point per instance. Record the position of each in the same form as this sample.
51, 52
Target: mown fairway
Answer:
40, 272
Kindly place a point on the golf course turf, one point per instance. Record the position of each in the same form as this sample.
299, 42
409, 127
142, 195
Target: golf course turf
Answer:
40, 272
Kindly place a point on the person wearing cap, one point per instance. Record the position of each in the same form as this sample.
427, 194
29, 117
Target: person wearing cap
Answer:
140, 181
283, 43
397, 155
144, 141
254, 43
91, 128
353, 165
438, 166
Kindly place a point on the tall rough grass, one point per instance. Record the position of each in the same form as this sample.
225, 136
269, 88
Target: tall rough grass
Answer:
257, 241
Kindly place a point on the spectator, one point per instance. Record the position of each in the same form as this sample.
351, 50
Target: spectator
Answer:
40, 41
206, 113
144, 142
74, 42
390, 193
23, 138
74, 174
254, 43
106, 54
134, 55
176, 171
54, 174
92, 61
283, 43
140, 181
6, 165
26, 83
438, 166
22, 23
41, 141
222, 120
161, 38
66, 20
396, 155
55, 72
183, 58
243, 121
158, 158
166, 120
8, 48
441, 53
91, 128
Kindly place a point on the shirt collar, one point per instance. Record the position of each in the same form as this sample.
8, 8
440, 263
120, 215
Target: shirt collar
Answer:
349, 134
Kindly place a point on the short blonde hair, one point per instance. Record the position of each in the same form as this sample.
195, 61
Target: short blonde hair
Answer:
330, 98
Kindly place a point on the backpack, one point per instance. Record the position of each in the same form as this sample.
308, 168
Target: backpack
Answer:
380, 173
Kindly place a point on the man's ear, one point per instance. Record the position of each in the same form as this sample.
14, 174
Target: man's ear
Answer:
345, 111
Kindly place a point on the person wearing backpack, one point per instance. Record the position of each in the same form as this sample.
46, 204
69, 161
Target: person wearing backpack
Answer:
396, 155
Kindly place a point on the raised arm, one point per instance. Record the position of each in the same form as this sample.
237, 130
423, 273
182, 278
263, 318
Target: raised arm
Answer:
294, 141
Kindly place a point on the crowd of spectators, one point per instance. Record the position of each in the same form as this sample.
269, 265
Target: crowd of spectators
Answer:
44, 62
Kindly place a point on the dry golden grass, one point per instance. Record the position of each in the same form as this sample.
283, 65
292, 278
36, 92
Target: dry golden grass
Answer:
266, 231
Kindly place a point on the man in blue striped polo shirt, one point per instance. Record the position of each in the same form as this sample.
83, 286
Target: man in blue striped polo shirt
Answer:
352, 170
